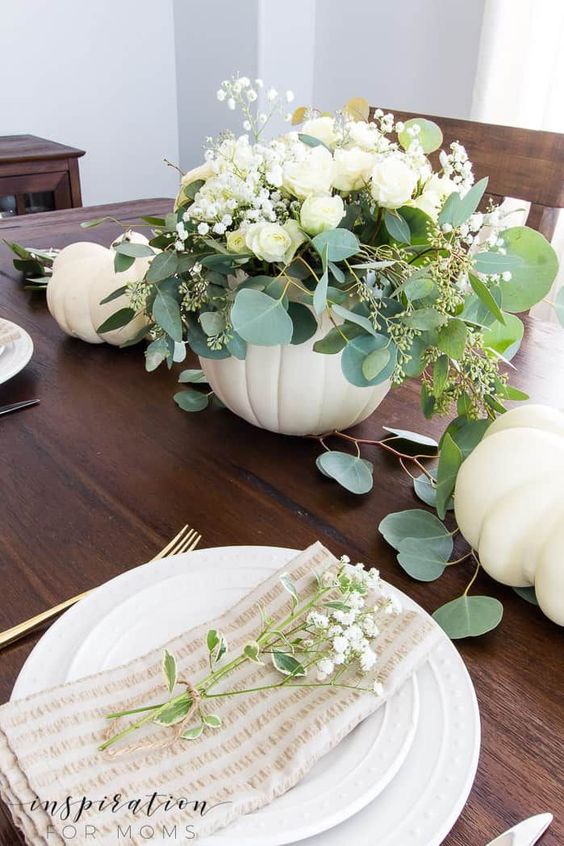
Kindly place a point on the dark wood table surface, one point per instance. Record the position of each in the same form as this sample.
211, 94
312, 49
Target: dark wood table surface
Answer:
107, 468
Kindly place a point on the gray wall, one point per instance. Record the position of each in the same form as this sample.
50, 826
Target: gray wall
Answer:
99, 76
418, 55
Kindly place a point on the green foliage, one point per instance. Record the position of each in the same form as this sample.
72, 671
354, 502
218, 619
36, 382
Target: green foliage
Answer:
535, 269
528, 594
190, 400
450, 459
505, 338
355, 353
430, 136
116, 320
457, 209
351, 472
169, 670
469, 616
287, 664
260, 319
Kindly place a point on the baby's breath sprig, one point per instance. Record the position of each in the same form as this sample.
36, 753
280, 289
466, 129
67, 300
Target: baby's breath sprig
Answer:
327, 639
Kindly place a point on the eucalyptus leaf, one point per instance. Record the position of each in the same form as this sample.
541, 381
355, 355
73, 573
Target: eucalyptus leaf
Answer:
260, 319
190, 400
423, 559
192, 376
166, 313
350, 471
469, 616
122, 263
303, 321
466, 434
355, 353
427, 491
336, 339
359, 319
450, 459
440, 375
397, 227
430, 136
451, 338
425, 318
532, 278
339, 243
418, 288
414, 523
116, 320
486, 297
492, 262
320, 293
311, 140
157, 351
119, 292
505, 338
375, 362
133, 250
212, 322
164, 264
458, 209
413, 437
237, 346
527, 593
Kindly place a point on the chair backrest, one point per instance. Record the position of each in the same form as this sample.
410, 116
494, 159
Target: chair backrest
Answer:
527, 164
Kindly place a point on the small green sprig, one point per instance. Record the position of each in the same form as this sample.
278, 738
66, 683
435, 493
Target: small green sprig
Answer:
329, 633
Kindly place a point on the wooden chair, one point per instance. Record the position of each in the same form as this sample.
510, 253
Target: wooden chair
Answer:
527, 164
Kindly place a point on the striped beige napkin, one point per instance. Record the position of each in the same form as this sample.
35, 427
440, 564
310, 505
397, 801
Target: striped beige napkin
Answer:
50, 766
8, 332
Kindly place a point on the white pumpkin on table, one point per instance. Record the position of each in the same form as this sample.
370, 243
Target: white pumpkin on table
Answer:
509, 503
83, 275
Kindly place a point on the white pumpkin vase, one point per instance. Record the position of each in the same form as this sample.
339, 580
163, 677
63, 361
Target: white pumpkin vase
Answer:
292, 389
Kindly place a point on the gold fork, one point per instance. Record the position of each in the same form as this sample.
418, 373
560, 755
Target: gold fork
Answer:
186, 540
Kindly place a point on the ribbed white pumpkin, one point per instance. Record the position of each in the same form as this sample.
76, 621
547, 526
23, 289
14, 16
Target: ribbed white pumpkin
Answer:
291, 389
83, 275
509, 503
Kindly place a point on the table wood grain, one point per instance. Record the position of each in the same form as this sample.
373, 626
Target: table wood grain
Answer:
98, 476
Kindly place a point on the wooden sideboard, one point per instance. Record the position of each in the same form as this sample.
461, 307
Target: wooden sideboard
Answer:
37, 175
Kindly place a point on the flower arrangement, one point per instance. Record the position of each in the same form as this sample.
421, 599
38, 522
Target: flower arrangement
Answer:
350, 218
328, 634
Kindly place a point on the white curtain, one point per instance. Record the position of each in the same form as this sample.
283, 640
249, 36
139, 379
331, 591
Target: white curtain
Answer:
520, 79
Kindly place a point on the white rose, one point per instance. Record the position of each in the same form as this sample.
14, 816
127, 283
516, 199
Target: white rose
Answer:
436, 190
393, 182
352, 169
322, 128
236, 242
321, 213
312, 175
203, 171
268, 241
297, 237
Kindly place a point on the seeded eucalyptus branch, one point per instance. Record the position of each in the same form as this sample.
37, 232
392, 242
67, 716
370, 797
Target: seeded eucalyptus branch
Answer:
328, 634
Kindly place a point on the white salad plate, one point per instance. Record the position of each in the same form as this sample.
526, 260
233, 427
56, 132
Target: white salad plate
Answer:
401, 778
15, 355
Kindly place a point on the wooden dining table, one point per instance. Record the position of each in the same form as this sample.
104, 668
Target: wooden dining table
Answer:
107, 468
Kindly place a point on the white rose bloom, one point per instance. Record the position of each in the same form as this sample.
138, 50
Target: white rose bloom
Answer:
203, 171
322, 128
435, 192
393, 182
268, 241
352, 169
297, 237
312, 175
236, 242
320, 213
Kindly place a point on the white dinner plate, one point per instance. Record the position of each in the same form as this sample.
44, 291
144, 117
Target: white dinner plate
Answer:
112, 626
15, 355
